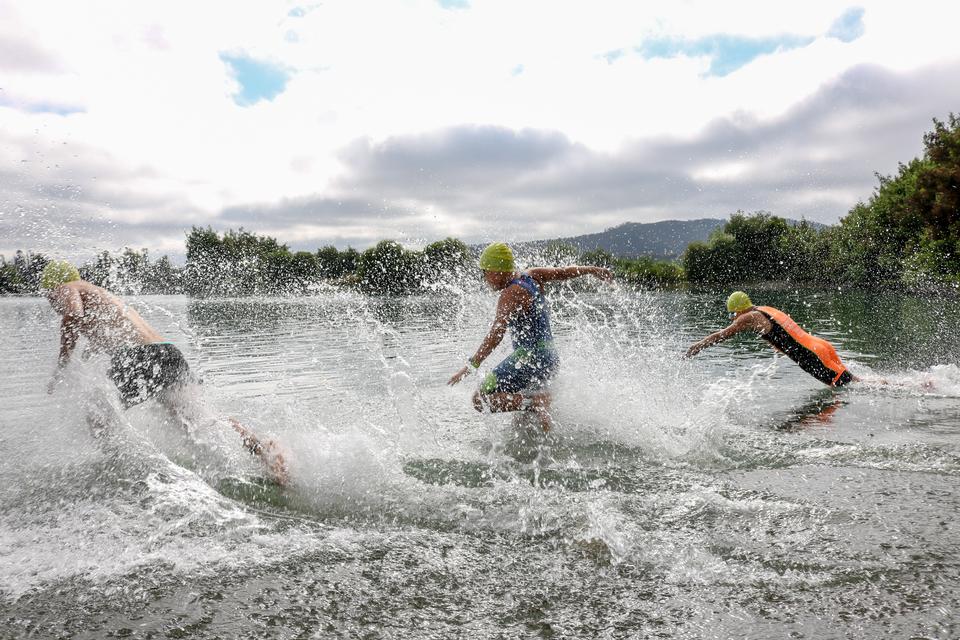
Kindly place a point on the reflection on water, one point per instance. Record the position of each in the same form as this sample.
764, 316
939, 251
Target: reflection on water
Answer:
818, 412
730, 495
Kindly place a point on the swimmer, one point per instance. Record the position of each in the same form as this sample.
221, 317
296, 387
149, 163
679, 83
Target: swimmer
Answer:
519, 383
815, 355
143, 365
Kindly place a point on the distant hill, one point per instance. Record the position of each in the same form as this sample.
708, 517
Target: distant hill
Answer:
663, 240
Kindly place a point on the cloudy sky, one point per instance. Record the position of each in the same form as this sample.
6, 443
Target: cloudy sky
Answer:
346, 121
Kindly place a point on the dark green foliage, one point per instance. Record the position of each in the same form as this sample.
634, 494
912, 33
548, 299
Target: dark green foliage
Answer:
805, 252
240, 263
649, 272
906, 235
387, 268
936, 195
599, 258
443, 262
163, 277
11, 280
748, 247
332, 264
559, 254
641, 271
22, 276
131, 272
447, 254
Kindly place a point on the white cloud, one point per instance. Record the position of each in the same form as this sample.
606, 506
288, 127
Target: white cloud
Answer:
157, 124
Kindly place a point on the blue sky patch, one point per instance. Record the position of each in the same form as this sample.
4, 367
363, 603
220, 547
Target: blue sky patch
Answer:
727, 53
454, 4
41, 107
297, 12
849, 26
517, 70
612, 56
258, 80
51, 107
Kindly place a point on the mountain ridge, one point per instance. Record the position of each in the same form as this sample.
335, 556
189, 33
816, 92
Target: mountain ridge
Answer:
663, 240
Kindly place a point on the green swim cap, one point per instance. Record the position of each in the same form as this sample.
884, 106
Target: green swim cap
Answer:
497, 257
738, 301
56, 273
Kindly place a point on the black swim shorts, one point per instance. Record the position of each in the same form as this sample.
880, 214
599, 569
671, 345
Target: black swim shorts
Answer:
144, 370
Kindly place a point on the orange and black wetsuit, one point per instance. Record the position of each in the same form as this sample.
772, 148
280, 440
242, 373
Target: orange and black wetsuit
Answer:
814, 355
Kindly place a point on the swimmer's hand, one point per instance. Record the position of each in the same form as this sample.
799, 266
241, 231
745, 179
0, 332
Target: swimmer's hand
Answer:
459, 375
694, 350
55, 381
604, 274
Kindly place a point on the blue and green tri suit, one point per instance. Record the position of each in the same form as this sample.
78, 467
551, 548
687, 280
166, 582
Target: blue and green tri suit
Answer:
534, 361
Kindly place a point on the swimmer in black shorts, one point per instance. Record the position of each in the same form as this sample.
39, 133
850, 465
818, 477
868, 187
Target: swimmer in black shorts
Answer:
143, 371
143, 366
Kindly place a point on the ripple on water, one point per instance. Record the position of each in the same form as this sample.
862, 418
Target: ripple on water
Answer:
725, 496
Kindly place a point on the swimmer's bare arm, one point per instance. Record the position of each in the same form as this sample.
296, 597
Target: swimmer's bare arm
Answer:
554, 274
752, 321
511, 301
71, 306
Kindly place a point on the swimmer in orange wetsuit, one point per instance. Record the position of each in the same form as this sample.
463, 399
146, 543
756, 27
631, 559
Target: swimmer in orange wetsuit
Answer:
815, 355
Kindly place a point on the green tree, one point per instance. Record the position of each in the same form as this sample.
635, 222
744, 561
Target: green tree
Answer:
444, 260
238, 263
331, 263
747, 248
162, 277
559, 254
599, 258
649, 272
387, 268
10, 280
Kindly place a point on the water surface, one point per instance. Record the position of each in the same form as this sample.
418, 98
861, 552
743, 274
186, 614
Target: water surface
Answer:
726, 496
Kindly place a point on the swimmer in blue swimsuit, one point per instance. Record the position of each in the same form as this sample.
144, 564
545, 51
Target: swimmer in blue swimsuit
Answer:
519, 382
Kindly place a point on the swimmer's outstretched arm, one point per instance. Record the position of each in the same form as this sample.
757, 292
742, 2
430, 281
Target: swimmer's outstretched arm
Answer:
554, 274
745, 322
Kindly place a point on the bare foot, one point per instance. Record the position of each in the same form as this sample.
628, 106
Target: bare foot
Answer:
275, 463
268, 452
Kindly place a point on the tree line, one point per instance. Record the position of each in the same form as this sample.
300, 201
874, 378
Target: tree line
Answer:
242, 263
907, 235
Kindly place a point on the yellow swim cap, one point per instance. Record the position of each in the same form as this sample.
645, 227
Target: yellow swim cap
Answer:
738, 301
497, 257
56, 273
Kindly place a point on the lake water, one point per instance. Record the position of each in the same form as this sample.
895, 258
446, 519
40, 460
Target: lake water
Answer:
726, 496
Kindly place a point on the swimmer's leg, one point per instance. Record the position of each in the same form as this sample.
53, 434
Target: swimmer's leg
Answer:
540, 403
175, 401
172, 400
502, 402
509, 387
268, 452
101, 417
